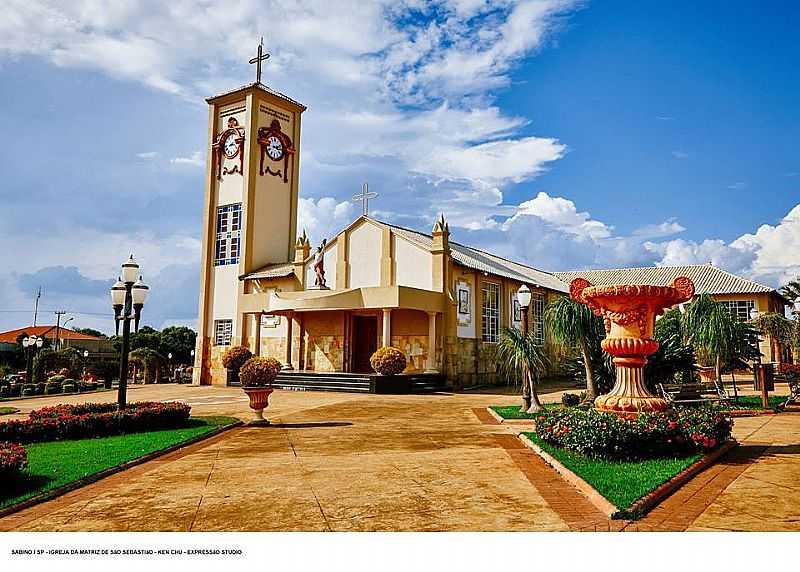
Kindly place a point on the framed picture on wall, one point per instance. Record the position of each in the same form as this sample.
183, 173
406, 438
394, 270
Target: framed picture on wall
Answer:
463, 301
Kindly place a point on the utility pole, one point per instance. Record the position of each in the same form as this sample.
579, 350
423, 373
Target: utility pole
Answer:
58, 314
36, 306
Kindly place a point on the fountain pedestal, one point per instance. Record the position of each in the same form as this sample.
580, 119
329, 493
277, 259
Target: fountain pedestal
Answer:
629, 312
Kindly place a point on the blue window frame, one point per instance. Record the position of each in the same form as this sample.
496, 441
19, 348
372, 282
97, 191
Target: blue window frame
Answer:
229, 225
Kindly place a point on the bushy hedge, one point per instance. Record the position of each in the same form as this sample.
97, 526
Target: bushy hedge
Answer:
679, 431
259, 372
388, 361
235, 357
90, 420
13, 459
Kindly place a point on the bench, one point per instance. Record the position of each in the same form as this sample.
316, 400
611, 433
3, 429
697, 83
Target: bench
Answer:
687, 393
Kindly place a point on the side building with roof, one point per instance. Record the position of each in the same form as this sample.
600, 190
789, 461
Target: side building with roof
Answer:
741, 296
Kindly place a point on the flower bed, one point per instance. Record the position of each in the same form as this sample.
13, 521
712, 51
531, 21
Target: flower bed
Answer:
13, 458
676, 432
89, 420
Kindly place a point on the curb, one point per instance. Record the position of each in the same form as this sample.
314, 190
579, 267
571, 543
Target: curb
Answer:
750, 412
650, 500
647, 502
64, 489
599, 501
505, 421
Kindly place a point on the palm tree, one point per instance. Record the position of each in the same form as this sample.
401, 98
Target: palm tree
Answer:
520, 357
778, 328
575, 326
709, 327
792, 289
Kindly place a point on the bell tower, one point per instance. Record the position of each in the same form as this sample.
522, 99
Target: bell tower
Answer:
250, 208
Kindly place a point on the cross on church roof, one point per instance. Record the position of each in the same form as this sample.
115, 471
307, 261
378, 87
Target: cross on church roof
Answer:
363, 197
260, 57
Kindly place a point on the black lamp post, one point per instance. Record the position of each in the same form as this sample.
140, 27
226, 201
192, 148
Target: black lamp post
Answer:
524, 299
31, 344
127, 297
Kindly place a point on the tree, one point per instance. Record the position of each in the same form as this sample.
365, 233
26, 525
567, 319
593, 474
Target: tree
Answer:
575, 326
150, 361
520, 358
90, 332
178, 341
709, 327
674, 360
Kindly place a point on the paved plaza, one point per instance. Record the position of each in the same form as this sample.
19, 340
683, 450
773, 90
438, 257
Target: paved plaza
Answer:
350, 462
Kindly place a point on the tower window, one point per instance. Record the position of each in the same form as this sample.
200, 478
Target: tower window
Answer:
223, 332
229, 218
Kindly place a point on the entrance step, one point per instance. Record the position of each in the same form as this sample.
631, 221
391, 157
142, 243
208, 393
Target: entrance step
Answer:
360, 383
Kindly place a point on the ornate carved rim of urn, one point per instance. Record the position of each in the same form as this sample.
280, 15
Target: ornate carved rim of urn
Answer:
259, 400
629, 312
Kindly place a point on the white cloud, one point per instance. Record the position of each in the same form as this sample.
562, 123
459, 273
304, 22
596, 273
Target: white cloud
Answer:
660, 230
196, 159
147, 155
323, 218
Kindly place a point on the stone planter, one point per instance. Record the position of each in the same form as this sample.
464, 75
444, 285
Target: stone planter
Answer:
259, 400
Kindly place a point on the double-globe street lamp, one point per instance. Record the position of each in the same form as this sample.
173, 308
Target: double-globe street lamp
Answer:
128, 295
524, 299
31, 344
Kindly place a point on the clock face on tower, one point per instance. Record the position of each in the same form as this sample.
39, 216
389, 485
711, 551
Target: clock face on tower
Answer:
230, 146
274, 148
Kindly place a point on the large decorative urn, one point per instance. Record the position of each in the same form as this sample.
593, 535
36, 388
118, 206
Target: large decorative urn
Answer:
259, 400
629, 312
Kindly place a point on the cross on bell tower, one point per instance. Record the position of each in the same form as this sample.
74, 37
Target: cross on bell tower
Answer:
363, 197
260, 57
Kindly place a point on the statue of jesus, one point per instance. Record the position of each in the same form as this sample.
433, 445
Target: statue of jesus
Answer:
319, 264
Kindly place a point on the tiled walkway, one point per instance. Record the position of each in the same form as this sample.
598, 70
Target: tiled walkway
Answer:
365, 462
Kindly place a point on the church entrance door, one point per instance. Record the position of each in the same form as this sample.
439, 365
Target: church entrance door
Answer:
365, 342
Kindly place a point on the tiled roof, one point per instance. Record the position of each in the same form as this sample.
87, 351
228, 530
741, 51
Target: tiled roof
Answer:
706, 278
484, 262
262, 87
45, 331
278, 270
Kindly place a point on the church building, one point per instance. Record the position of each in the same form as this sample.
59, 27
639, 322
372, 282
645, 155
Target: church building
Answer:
326, 308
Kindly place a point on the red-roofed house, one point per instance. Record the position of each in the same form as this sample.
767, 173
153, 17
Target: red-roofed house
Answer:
66, 338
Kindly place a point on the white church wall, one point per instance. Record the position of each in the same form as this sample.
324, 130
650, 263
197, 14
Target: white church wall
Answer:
330, 268
364, 256
224, 293
272, 200
413, 266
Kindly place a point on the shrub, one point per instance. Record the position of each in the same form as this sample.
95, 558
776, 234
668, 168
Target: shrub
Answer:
69, 388
235, 357
40, 388
52, 388
570, 400
388, 361
57, 379
13, 459
89, 420
63, 372
259, 372
678, 431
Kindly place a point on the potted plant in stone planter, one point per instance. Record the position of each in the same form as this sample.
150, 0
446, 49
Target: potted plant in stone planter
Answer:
233, 359
256, 376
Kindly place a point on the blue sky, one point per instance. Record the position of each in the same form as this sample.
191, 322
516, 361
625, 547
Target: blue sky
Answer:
563, 134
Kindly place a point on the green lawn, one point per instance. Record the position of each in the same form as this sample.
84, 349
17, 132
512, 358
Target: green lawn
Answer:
514, 412
8, 410
754, 402
622, 483
57, 463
